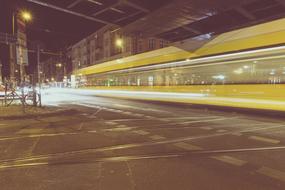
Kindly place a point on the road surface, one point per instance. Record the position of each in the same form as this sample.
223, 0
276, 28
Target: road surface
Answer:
118, 144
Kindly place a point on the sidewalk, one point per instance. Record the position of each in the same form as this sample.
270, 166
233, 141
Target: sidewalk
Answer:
16, 111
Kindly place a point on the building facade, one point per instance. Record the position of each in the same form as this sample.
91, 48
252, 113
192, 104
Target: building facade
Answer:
109, 43
53, 69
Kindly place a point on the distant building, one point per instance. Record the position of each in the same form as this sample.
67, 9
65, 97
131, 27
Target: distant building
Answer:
53, 69
110, 43
79, 54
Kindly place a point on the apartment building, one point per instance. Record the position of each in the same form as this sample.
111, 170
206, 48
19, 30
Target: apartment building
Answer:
110, 43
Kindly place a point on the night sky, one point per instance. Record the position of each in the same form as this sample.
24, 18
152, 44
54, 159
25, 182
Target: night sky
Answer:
55, 29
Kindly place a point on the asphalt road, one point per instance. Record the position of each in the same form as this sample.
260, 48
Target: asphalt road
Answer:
117, 144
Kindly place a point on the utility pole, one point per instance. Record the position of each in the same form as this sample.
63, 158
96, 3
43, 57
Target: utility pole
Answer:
38, 79
0, 72
12, 50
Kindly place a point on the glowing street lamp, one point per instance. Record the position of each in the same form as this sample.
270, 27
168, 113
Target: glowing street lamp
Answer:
119, 43
26, 16
59, 65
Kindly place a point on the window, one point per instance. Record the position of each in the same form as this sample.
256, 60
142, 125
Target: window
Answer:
151, 44
140, 46
161, 43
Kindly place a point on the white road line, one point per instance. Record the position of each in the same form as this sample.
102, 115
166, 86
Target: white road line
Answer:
128, 113
273, 173
195, 118
119, 126
221, 131
36, 135
157, 137
117, 111
30, 131
88, 105
91, 116
263, 139
22, 165
80, 126
230, 160
141, 132
139, 115
110, 123
206, 128
119, 129
166, 120
237, 134
187, 146
139, 108
150, 117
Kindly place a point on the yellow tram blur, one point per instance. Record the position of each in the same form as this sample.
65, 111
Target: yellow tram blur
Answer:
243, 68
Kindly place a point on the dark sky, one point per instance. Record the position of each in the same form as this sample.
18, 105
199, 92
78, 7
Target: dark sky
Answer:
53, 28
56, 29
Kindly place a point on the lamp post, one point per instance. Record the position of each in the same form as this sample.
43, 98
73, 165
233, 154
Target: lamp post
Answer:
26, 17
119, 43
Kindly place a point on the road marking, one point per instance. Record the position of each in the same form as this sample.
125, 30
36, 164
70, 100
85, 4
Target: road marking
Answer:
110, 109
166, 120
150, 117
141, 132
91, 116
156, 137
128, 113
230, 160
30, 131
22, 165
119, 129
118, 111
237, 134
192, 117
209, 120
119, 126
36, 135
139, 108
272, 173
139, 115
88, 105
206, 128
80, 126
187, 146
263, 139
221, 131
111, 123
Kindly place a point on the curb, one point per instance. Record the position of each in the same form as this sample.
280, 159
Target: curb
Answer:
35, 115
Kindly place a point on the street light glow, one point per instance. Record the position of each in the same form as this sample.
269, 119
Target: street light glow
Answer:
119, 42
26, 16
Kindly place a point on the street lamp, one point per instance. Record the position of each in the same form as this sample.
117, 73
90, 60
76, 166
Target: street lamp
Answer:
119, 43
26, 16
59, 65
